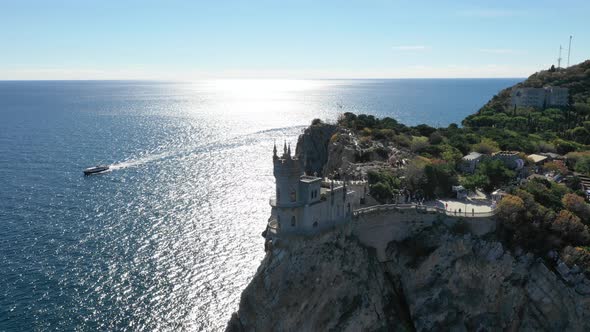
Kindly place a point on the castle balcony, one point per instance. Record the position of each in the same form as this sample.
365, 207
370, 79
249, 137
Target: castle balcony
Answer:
273, 203
273, 226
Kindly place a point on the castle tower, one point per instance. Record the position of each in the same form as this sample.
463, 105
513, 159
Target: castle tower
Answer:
305, 204
287, 171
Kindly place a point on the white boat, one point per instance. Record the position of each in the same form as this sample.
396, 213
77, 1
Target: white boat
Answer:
96, 169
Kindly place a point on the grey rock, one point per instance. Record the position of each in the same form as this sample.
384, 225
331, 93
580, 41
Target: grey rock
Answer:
432, 280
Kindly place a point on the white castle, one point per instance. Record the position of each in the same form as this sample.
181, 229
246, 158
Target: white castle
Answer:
306, 204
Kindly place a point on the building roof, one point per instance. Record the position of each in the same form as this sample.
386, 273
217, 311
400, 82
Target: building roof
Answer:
499, 192
552, 155
506, 153
536, 157
472, 156
457, 188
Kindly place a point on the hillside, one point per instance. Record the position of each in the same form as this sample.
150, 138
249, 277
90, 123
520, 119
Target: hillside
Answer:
576, 78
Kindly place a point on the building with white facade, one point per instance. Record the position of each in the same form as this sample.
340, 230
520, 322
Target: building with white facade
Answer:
511, 159
306, 204
469, 162
539, 97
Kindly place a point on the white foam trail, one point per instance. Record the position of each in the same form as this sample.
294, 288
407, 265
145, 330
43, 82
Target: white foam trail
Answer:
228, 142
139, 161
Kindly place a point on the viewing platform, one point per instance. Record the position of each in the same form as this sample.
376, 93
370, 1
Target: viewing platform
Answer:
421, 208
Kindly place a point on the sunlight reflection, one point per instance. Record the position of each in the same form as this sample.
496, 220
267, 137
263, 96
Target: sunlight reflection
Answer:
262, 88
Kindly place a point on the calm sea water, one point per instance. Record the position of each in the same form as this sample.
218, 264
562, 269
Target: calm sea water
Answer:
169, 238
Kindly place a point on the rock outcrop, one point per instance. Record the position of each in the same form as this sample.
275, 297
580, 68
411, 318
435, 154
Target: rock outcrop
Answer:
312, 147
330, 150
438, 276
435, 279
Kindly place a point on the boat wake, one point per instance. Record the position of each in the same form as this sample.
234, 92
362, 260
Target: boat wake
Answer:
229, 143
139, 161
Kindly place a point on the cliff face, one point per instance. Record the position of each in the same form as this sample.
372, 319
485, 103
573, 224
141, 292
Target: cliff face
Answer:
437, 277
434, 279
312, 147
319, 284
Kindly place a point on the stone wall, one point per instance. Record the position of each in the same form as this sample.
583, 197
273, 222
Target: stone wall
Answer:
378, 229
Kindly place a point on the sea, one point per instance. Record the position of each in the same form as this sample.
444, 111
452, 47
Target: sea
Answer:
169, 237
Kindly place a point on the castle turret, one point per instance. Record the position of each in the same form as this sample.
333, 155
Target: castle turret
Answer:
303, 204
287, 171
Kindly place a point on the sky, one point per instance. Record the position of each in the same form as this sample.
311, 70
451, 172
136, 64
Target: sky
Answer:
188, 40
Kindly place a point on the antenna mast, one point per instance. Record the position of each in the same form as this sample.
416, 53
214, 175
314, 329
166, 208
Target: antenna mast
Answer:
568, 52
559, 59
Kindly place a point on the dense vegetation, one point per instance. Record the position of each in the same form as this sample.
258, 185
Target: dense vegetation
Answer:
542, 215
531, 130
539, 215
438, 152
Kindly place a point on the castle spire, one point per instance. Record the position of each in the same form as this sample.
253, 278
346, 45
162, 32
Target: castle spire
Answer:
289, 150
274, 151
285, 149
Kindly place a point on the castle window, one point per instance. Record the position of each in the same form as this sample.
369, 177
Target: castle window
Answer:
293, 196
293, 221
349, 208
315, 223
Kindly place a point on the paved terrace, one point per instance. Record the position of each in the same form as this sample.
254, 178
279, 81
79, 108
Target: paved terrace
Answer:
474, 211
436, 207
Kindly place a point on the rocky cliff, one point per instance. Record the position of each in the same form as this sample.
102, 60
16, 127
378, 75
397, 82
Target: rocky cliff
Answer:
312, 147
437, 279
330, 150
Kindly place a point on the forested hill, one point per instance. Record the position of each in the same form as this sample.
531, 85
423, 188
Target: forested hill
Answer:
576, 78
563, 129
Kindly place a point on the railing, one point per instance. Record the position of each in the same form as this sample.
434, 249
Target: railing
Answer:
422, 208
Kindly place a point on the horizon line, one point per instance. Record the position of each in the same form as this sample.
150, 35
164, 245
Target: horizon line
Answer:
253, 78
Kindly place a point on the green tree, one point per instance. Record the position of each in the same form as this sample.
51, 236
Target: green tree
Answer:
496, 173
475, 181
583, 165
570, 228
486, 146
440, 178
577, 205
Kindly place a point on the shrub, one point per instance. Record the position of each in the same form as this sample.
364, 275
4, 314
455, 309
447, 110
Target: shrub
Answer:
334, 138
563, 146
316, 122
510, 210
381, 192
435, 138
570, 228
583, 165
383, 185
577, 255
486, 146
475, 181
496, 173
418, 143
556, 166
578, 206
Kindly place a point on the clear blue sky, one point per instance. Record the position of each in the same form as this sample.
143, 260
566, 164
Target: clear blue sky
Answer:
91, 39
